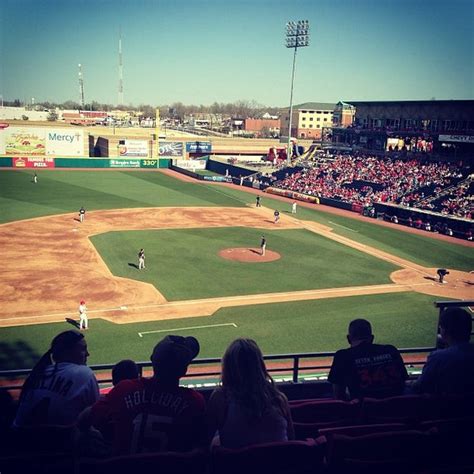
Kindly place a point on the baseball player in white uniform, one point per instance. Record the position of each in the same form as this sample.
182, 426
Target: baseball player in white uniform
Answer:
141, 259
83, 321
263, 245
293, 208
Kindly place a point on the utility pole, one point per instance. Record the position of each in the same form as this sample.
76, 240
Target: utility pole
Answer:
120, 71
81, 88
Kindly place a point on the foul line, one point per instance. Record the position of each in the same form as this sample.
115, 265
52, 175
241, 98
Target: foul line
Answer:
340, 225
140, 334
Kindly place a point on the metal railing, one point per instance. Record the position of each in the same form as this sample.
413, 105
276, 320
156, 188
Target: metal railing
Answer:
290, 364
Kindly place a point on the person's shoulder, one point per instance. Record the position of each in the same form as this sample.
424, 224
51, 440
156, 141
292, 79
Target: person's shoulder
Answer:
77, 370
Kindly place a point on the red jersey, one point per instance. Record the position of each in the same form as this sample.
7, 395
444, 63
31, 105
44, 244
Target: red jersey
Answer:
149, 416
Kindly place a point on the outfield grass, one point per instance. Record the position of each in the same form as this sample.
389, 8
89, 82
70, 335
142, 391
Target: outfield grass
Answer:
66, 191
184, 263
404, 319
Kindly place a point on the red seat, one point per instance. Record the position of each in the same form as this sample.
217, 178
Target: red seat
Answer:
410, 409
290, 457
362, 430
397, 451
326, 411
151, 463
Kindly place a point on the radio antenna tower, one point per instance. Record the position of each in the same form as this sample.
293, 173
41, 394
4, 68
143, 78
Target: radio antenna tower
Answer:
81, 88
120, 85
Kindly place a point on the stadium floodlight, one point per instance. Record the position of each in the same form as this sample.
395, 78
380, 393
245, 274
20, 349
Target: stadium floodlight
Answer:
297, 36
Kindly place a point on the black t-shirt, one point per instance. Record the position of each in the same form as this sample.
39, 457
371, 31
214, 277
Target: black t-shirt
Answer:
369, 370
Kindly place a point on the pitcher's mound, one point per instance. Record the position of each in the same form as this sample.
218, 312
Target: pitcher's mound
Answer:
249, 255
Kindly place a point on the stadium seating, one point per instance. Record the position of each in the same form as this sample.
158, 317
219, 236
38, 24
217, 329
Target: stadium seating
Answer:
39, 449
391, 452
291, 457
151, 463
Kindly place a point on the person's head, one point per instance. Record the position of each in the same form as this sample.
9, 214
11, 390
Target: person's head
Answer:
359, 331
172, 356
455, 325
243, 365
82, 302
124, 370
246, 378
69, 346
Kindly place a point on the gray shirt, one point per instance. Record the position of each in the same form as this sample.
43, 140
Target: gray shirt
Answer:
448, 371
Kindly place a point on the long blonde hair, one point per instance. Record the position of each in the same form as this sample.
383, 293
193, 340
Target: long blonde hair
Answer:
246, 379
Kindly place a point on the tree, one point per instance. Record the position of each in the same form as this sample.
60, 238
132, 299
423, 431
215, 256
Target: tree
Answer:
52, 116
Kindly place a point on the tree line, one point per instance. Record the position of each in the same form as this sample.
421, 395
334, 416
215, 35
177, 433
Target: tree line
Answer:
177, 110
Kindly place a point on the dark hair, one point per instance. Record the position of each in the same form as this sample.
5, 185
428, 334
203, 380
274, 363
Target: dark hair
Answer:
457, 323
360, 329
59, 346
124, 370
245, 378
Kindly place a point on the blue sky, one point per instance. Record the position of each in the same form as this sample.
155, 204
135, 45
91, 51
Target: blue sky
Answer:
200, 52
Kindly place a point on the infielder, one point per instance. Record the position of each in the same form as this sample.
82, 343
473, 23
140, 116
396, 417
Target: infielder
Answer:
263, 245
277, 216
83, 321
257, 202
293, 208
82, 214
141, 259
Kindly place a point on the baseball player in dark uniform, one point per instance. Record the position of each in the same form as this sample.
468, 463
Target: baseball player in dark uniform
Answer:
442, 272
257, 202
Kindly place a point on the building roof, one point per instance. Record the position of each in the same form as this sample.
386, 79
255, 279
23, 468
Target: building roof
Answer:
315, 106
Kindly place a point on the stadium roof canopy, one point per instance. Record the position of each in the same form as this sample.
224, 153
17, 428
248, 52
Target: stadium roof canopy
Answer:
409, 102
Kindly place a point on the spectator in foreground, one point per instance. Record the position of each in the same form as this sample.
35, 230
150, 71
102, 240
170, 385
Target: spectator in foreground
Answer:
60, 386
366, 369
248, 409
124, 370
450, 370
154, 414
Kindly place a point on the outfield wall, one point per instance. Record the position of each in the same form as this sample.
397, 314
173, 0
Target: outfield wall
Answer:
20, 162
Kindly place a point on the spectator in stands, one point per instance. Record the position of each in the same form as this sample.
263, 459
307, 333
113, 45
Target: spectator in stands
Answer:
248, 409
450, 370
60, 386
366, 369
124, 370
155, 414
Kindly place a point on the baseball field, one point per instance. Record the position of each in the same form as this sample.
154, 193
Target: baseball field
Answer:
204, 274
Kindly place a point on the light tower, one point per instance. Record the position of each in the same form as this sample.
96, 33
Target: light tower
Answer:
297, 36
120, 84
81, 88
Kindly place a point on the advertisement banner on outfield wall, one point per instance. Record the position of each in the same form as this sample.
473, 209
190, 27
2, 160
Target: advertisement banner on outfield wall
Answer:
33, 162
36, 141
125, 163
191, 164
171, 149
133, 148
198, 147
65, 142
23, 141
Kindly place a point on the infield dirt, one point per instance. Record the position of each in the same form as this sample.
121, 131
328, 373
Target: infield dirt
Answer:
48, 264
